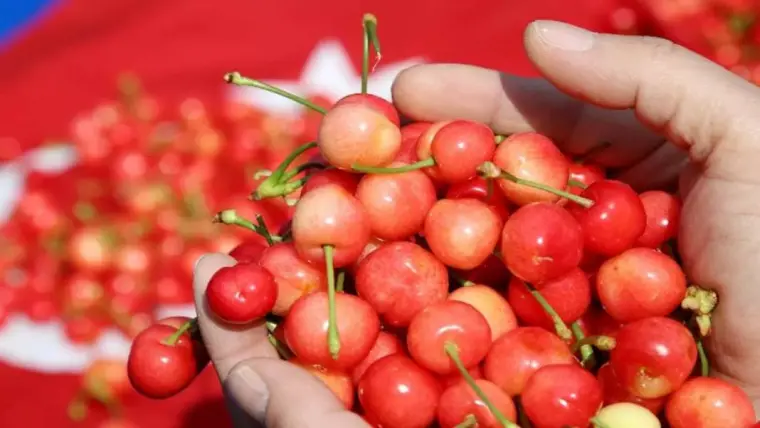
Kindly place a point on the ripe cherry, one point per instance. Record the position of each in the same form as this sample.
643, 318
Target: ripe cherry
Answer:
561, 395
585, 174
400, 279
569, 295
494, 308
483, 190
306, 330
353, 134
457, 147
640, 283
541, 242
396, 204
663, 212
407, 154
462, 233
448, 322
295, 278
339, 383
386, 344
615, 221
249, 251
614, 392
653, 357
515, 356
454, 378
491, 272
344, 179
459, 402
81, 293
705, 402
242, 293
374, 102
396, 392
626, 415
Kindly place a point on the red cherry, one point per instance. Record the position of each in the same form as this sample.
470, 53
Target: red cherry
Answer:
295, 278
663, 213
616, 220
460, 401
81, 293
133, 258
458, 147
600, 323
481, 189
653, 357
705, 402
242, 293
249, 251
306, 328
452, 379
569, 295
157, 369
386, 344
399, 280
448, 322
202, 357
491, 272
374, 102
531, 156
586, 174
396, 392
640, 283
515, 356
409, 135
90, 249
172, 289
396, 204
106, 378
353, 134
561, 395
339, 383
329, 215
344, 179
462, 233
84, 329
614, 392
541, 242
494, 308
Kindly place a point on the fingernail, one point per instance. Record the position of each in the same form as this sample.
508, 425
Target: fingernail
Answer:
564, 36
250, 391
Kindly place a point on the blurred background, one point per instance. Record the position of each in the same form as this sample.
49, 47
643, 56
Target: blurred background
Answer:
119, 140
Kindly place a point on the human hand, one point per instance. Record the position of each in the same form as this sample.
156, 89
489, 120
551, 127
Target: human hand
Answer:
637, 93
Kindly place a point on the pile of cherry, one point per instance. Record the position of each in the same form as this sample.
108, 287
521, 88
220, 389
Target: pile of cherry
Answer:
436, 274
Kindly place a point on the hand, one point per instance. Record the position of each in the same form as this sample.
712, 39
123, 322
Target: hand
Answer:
636, 93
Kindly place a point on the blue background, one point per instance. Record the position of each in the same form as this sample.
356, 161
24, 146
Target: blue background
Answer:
15, 15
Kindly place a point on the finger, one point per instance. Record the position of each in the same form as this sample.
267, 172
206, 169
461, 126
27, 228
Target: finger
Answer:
659, 170
510, 104
695, 103
227, 344
282, 395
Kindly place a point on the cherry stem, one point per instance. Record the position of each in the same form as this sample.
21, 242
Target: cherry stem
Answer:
369, 25
583, 158
301, 168
559, 325
700, 300
425, 163
264, 231
341, 282
274, 186
499, 138
284, 352
576, 183
599, 424
489, 170
603, 343
452, 351
704, 362
270, 325
333, 337
470, 421
230, 217
587, 351
184, 328
236, 79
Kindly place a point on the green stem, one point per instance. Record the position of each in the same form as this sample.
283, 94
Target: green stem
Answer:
284, 351
490, 170
576, 183
365, 57
333, 337
470, 421
559, 325
341, 282
230, 217
499, 138
598, 423
587, 351
264, 230
184, 328
301, 168
370, 25
603, 343
236, 79
704, 362
453, 352
274, 186
425, 163
271, 326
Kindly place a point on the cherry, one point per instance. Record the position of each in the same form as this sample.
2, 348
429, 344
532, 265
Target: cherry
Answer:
172, 289
456, 149
242, 293
640, 283
491, 272
481, 189
400, 279
626, 415
585, 174
561, 395
396, 392
540, 242
386, 344
344, 179
615, 221
374, 102
107, 380
409, 135
600, 323
201, 354
90, 249
249, 251
447, 322
531, 156
455, 378
459, 402
462, 233
339, 383
84, 329
614, 392
161, 361
396, 203
569, 295
653, 356
82, 293
330, 216
663, 212
353, 134
294, 277
704, 402
494, 308
133, 258
518, 354
307, 325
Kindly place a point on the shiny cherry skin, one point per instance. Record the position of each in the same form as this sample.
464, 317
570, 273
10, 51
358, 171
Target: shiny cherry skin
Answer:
483, 190
491, 272
294, 277
663, 212
409, 135
705, 402
458, 147
541, 242
614, 392
242, 293
249, 251
569, 295
459, 401
561, 395
339, 383
386, 344
492, 305
374, 102
400, 279
454, 378
585, 173
344, 179
398, 393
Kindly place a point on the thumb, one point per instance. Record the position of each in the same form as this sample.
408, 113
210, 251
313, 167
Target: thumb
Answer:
693, 102
282, 395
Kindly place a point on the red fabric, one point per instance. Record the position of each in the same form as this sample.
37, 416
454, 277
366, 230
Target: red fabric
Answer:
70, 61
